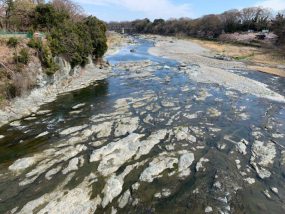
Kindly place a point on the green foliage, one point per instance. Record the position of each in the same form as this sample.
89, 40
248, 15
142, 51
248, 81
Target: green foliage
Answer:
97, 30
24, 56
13, 42
46, 17
46, 58
75, 41
73, 38
34, 43
71, 41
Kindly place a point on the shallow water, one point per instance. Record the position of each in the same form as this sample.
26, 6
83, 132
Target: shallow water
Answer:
204, 120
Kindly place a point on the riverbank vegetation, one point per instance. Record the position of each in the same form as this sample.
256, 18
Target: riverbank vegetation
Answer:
35, 30
211, 26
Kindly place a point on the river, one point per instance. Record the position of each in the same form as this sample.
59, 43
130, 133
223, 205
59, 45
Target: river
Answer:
148, 139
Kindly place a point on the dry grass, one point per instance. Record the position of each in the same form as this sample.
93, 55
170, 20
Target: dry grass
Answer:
113, 39
261, 59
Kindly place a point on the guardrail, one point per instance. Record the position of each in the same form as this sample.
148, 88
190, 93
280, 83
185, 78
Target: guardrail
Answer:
19, 34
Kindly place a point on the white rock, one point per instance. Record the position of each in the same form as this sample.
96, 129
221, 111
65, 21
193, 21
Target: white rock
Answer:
42, 134
79, 106
72, 130
208, 209
43, 112
15, 123
275, 190
111, 190
266, 193
52, 172
136, 186
156, 167
72, 166
124, 199
200, 163
184, 163
218, 185
102, 129
2, 136
182, 133
214, 112
126, 125
241, 147
250, 180
114, 184
115, 154
262, 155
22, 164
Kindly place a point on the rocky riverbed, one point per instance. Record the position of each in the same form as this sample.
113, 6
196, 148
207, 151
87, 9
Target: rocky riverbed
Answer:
155, 137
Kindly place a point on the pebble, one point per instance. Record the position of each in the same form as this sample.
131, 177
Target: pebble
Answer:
208, 209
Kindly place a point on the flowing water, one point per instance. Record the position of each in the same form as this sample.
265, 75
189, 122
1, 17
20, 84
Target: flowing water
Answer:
148, 140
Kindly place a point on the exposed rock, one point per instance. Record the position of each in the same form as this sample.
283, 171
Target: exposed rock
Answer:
275, 190
52, 172
15, 123
78, 106
208, 209
102, 129
72, 166
42, 134
42, 112
115, 154
184, 163
124, 199
182, 133
217, 185
22, 164
262, 155
114, 184
266, 193
164, 193
214, 112
2, 136
112, 189
200, 164
52, 157
156, 167
76, 200
250, 180
241, 147
72, 130
126, 125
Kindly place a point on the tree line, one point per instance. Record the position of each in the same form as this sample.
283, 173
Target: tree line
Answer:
210, 26
68, 31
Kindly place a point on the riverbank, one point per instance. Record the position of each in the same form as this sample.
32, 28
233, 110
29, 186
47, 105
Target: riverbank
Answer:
204, 65
81, 78
267, 60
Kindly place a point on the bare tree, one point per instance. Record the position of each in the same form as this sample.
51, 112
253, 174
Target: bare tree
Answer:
74, 10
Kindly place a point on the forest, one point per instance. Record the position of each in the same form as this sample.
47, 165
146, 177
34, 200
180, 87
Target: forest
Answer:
211, 26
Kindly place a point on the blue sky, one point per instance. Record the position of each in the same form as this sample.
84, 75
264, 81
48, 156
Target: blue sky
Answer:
121, 10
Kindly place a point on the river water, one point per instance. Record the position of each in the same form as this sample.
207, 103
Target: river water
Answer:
148, 140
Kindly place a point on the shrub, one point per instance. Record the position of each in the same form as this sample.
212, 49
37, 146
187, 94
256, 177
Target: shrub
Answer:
34, 43
24, 56
13, 42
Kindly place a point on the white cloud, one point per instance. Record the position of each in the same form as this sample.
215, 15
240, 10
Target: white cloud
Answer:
150, 8
273, 4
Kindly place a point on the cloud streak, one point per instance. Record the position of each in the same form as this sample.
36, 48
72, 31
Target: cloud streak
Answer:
273, 4
150, 8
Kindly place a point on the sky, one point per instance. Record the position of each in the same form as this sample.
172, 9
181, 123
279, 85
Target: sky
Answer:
125, 10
